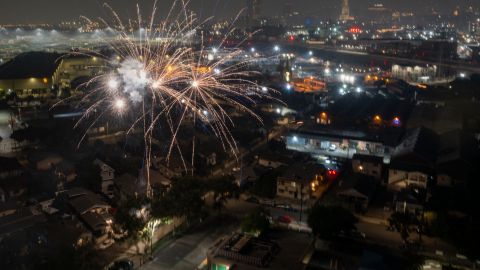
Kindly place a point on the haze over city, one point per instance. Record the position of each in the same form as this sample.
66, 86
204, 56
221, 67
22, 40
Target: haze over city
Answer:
40, 11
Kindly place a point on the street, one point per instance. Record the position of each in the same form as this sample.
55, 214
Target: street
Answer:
189, 250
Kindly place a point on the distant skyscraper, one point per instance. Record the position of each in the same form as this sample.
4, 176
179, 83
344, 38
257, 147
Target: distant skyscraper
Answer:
288, 9
345, 15
254, 11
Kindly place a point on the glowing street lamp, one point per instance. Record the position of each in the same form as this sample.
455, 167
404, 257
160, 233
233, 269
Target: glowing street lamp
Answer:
323, 119
276, 48
377, 119
396, 121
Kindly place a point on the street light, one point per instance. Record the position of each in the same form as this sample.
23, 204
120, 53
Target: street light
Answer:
396, 121
276, 48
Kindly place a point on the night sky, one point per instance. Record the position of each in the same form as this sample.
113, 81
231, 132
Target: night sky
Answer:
52, 11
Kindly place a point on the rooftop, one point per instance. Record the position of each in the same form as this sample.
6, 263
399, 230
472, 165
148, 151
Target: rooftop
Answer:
87, 202
285, 253
30, 65
302, 172
419, 145
368, 158
245, 249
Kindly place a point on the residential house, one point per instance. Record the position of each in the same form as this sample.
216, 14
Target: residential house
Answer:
125, 186
413, 160
357, 190
300, 181
245, 175
107, 173
91, 209
401, 176
409, 200
368, 165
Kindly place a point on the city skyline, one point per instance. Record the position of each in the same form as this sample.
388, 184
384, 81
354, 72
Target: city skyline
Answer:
28, 11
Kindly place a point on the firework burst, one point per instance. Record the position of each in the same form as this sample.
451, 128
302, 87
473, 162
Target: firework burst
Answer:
161, 71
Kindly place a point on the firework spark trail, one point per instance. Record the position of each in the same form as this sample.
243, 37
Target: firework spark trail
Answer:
160, 74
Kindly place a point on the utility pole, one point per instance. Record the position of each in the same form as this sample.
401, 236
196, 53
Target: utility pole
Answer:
301, 198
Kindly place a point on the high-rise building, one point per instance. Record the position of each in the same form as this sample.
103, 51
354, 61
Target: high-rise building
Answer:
345, 15
254, 11
287, 9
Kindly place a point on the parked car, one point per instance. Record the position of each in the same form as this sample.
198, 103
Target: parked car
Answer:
284, 219
285, 206
252, 200
122, 265
353, 234
267, 202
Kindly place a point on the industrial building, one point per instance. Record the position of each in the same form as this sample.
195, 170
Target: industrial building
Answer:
43, 74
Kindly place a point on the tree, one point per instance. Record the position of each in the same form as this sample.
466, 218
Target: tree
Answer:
185, 198
266, 185
88, 174
223, 188
402, 223
125, 216
70, 258
256, 222
328, 221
